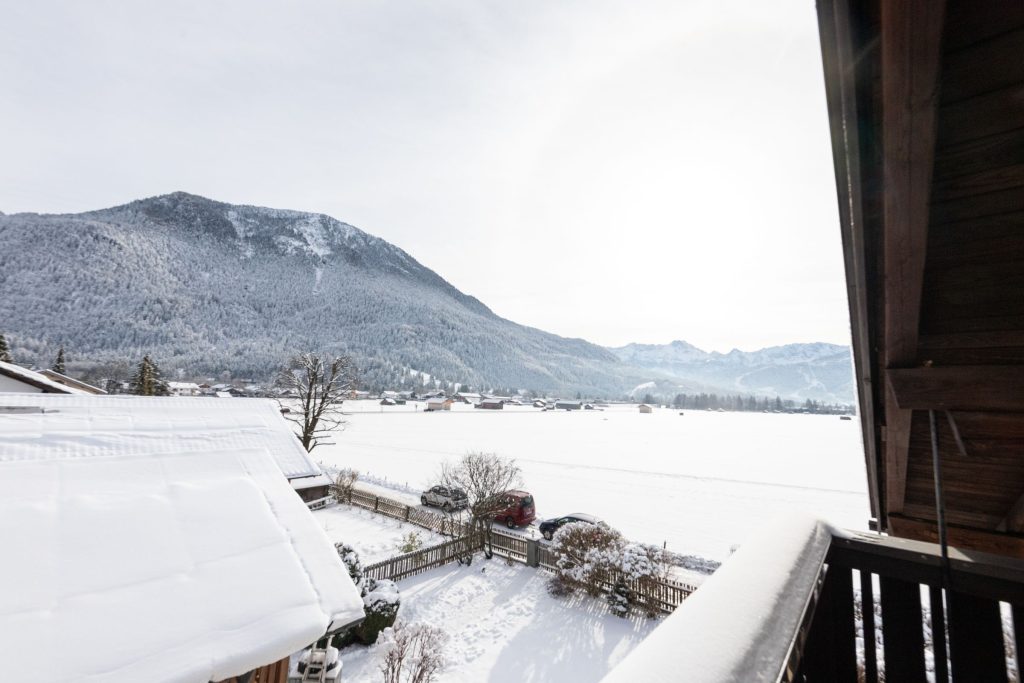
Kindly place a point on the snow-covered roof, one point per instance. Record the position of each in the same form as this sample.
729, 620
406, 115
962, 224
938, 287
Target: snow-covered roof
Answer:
36, 379
86, 425
153, 563
311, 482
71, 381
183, 385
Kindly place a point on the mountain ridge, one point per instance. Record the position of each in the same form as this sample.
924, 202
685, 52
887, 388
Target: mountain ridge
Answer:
208, 286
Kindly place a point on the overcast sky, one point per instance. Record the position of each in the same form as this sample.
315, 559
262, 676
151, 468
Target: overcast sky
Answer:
619, 171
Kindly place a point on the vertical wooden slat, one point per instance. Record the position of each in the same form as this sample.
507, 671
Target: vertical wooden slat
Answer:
902, 633
1018, 634
830, 655
975, 639
867, 612
938, 634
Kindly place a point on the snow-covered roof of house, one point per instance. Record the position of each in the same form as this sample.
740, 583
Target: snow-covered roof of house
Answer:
85, 425
311, 482
71, 382
146, 558
36, 379
183, 385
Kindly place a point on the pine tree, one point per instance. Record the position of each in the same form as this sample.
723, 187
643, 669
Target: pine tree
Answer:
147, 380
5, 350
58, 365
160, 387
142, 381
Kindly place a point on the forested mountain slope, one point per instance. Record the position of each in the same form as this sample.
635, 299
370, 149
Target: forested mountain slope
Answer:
207, 287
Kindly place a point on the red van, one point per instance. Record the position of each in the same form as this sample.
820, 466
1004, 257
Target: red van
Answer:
519, 510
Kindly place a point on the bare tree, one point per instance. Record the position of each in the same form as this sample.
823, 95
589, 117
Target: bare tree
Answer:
417, 650
484, 477
344, 483
318, 385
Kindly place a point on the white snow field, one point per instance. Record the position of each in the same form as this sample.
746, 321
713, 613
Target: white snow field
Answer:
698, 482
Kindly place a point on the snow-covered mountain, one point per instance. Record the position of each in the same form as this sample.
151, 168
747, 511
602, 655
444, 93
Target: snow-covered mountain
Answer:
818, 371
207, 287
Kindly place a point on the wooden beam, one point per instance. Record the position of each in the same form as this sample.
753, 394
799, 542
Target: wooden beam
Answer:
897, 453
960, 537
959, 387
1014, 520
911, 33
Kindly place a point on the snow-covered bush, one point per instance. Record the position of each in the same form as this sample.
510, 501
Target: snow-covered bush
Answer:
410, 542
596, 558
380, 603
412, 653
350, 557
584, 555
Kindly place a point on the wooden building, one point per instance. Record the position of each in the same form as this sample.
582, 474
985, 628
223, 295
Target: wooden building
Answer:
437, 403
491, 404
646, 409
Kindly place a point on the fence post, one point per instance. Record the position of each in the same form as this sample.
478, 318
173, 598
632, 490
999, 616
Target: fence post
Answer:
376, 503
532, 556
407, 509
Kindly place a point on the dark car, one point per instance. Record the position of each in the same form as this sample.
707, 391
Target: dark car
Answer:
445, 497
549, 526
518, 509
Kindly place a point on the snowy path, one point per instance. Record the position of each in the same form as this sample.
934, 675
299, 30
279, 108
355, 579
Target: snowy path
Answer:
505, 627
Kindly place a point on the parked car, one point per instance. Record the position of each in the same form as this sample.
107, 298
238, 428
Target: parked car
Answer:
444, 497
519, 509
549, 526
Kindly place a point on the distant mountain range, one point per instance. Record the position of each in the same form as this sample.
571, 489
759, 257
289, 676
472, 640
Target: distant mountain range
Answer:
208, 287
817, 371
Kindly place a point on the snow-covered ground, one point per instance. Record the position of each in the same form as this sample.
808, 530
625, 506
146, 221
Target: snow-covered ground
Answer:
374, 537
505, 627
693, 481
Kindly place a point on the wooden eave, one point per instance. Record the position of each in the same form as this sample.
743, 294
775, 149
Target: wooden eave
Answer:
926, 106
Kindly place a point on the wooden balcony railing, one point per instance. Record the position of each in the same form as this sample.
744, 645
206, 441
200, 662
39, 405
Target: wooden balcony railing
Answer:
808, 603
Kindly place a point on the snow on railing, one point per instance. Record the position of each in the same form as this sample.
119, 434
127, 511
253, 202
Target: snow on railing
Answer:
743, 622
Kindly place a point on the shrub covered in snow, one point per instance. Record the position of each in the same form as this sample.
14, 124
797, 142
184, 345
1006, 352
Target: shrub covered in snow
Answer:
350, 557
596, 558
344, 481
380, 602
583, 555
412, 653
410, 542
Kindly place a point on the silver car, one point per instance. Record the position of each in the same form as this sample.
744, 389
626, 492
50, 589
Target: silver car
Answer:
446, 498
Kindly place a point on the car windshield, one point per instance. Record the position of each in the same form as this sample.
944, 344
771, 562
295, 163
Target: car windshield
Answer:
526, 502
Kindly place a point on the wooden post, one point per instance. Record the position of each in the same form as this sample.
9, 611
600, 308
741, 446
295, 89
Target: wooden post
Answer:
532, 556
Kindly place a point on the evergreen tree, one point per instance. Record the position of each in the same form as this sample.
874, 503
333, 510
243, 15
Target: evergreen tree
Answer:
58, 364
142, 381
147, 380
5, 350
160, 387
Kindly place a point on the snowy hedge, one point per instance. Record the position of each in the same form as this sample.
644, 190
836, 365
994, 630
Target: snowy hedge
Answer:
595, 558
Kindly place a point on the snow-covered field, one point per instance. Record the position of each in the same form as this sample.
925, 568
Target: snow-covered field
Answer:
698, 482
502, 624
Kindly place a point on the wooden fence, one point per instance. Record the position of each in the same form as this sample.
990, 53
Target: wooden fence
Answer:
409, 564
445, 525
665, 595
